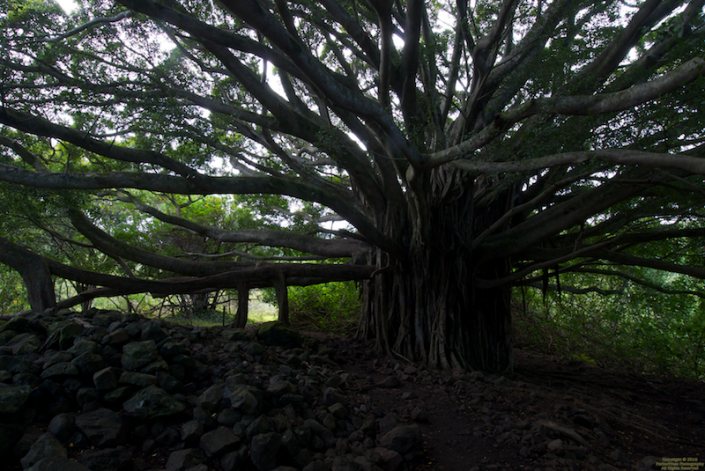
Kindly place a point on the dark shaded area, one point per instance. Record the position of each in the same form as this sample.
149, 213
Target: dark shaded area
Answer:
119, 391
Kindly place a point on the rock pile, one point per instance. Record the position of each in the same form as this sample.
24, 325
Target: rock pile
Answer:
106, 391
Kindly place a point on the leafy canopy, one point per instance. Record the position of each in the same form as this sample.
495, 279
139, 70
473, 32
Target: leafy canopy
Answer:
150, 136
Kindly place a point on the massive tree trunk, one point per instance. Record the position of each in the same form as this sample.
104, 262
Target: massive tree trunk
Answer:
424, 150
436, 314
428, 307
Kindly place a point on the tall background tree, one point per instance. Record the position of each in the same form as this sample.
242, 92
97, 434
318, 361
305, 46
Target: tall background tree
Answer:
470, 146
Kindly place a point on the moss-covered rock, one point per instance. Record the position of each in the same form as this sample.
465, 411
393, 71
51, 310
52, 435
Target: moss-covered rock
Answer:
24, 343
279, 334
12, 398
17, 323
152, 402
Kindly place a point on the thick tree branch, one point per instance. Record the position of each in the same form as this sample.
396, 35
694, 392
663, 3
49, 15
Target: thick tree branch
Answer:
26, 156
245, 255
340, 95
117, 248
649, 14
410, 64
694, 165
573, 105
267, 237
638, 281
34, 271
575, 211
508, 77
94, 22
633, 260
386, 46
484, 55
295, 123
574, 290
260, 274
223, 36
353, 28
257, 276
523, 272
654, 56
217, 185
39, 126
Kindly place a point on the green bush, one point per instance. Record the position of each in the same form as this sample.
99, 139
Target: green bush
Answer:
330, 307
13, 296
640, 330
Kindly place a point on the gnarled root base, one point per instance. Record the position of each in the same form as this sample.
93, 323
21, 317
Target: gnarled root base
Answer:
428, 310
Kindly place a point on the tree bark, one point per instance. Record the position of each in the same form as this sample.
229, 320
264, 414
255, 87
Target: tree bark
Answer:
243, 298
81, 288
429, 307
199, 302
35, 273
279, 283
435, 315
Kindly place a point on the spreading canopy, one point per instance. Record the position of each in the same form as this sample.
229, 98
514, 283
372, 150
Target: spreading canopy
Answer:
475, 145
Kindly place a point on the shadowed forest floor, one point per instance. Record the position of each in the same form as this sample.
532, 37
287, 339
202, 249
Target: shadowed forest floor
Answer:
552, 414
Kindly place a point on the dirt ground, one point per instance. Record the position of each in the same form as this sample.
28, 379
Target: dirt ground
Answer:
550, 415
604, 420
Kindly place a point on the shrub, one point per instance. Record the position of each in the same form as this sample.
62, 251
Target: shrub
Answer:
330, 307
640, 330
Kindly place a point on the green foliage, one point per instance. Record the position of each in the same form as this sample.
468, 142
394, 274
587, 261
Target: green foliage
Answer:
166, 100
329, 307
582, 357
639, 329
13, 296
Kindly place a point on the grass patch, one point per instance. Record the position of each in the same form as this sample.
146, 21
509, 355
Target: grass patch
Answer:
258, 311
